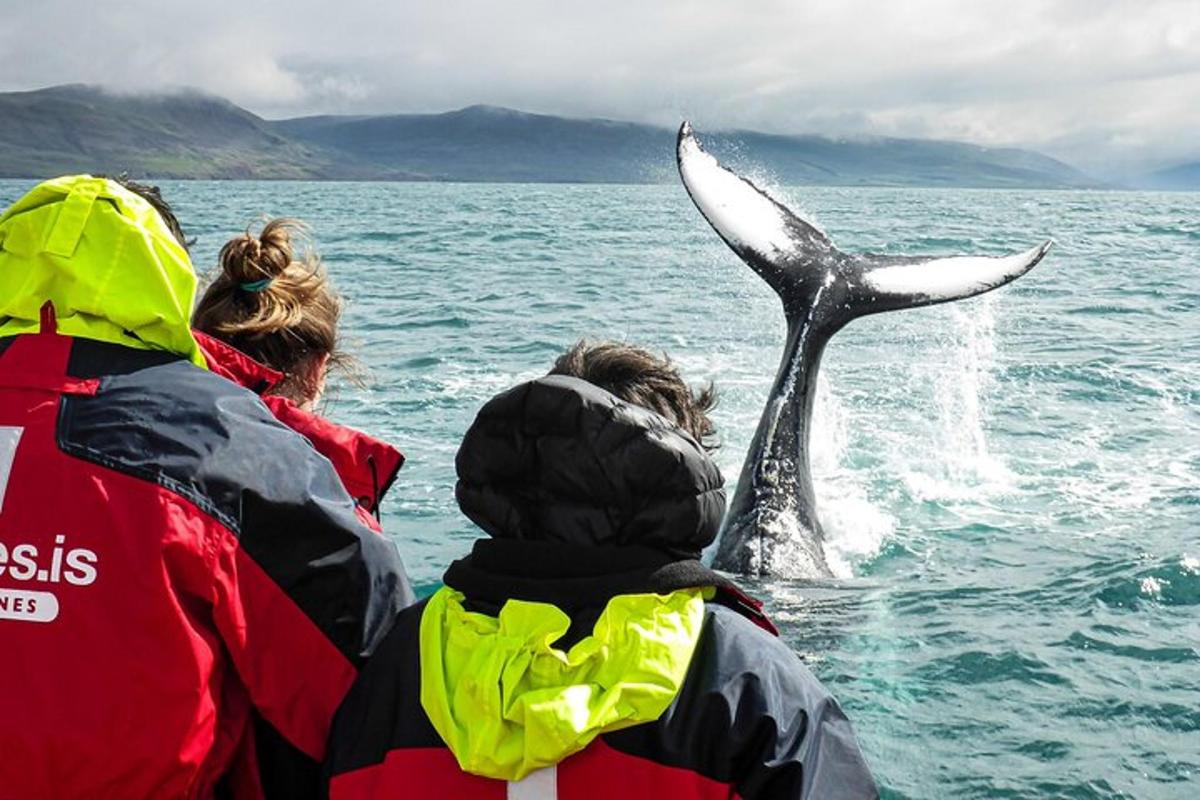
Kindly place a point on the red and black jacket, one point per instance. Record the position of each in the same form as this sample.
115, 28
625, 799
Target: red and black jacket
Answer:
171, 557
587, 498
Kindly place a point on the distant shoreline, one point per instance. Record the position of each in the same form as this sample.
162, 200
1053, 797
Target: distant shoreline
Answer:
564, 183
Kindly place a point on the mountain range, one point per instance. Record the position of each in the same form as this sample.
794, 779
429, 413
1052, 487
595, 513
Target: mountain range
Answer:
189, 134
1182, 177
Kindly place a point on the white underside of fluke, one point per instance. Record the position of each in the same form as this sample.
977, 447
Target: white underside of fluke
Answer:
741, 213
950, 278
747, 218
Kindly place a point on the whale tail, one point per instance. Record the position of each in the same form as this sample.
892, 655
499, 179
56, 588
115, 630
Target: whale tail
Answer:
792, 254
822, 288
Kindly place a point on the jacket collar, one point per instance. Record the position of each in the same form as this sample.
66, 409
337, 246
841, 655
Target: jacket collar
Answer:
576, 578
570, 575
232, 364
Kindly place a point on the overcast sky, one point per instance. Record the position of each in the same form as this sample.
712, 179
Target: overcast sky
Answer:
1096, 82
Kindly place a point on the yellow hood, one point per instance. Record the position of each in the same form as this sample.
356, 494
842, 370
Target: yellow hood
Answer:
106, 260
507, 702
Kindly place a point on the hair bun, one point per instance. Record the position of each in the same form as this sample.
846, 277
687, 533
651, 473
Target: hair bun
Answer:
271, 299
248, 259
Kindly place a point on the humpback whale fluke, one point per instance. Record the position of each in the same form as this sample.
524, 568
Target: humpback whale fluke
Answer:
772, 526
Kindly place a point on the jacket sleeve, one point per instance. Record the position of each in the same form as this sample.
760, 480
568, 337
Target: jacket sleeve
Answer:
788, 736
803, 748
304, 591
752, 716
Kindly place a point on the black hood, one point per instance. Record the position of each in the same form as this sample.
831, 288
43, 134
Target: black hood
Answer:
561, 460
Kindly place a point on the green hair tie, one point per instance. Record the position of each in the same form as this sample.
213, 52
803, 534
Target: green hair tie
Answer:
256, 286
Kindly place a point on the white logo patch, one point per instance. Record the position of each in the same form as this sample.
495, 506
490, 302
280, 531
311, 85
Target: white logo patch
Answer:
29, 563
34, 566
9, 439
23, 606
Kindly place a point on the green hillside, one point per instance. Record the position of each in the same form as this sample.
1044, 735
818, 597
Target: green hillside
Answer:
192, 135
183, 135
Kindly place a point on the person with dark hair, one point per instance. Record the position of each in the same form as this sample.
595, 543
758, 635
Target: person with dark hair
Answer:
639, 377
583, 650
172, 559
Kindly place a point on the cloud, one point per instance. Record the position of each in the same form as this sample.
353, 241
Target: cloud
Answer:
1097, 82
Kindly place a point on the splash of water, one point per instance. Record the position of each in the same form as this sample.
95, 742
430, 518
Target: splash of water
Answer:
948, 461
855, 526
957, 465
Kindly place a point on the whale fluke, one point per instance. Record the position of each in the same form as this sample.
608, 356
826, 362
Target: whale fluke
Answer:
772, 526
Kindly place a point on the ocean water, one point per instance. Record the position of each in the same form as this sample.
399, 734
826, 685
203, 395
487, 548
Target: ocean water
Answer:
1011, 484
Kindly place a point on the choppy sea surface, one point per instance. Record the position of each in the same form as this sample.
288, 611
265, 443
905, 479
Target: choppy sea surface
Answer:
1010, 484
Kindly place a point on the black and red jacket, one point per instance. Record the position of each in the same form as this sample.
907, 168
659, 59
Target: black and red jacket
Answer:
586, 498
172, 557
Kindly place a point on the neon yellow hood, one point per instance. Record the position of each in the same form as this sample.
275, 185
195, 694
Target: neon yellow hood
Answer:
507, 703
107, 261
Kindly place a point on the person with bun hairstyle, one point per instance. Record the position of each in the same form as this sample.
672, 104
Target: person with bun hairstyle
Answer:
269, 322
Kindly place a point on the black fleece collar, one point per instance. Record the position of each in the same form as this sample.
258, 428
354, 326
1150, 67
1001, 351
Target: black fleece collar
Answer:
571, 576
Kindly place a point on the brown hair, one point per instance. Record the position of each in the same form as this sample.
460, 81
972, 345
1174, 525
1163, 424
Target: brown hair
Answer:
273, 306
638, 376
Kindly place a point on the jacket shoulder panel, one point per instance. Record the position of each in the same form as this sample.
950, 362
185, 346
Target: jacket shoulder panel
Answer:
194, 433
216, 445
